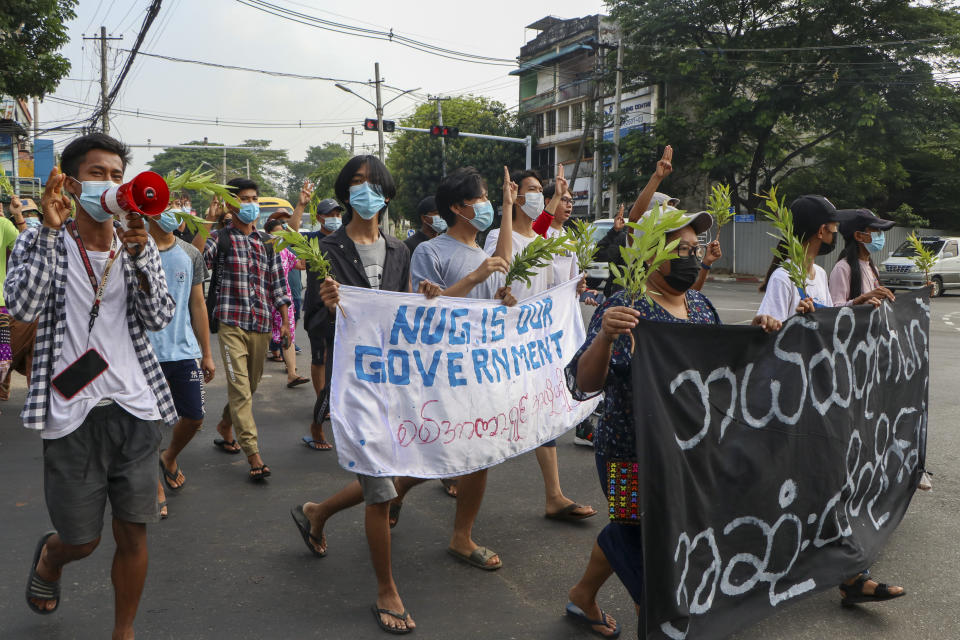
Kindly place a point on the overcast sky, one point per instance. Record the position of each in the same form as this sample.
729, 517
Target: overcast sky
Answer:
228, 32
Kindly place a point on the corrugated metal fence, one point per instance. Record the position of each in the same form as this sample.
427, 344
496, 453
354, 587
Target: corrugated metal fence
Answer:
752, 251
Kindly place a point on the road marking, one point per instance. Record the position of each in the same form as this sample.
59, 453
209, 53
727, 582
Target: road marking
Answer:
949, 320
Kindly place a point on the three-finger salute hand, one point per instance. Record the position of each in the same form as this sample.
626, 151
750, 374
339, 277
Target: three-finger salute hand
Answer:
510, 189
54, 203
665, 164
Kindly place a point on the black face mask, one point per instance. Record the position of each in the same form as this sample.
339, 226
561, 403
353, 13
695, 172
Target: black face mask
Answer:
683, 273
827, 248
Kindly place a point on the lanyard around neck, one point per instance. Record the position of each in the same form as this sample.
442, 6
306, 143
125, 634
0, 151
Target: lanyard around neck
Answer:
101, 287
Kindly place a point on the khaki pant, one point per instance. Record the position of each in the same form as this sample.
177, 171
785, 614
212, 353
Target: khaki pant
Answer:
243, 353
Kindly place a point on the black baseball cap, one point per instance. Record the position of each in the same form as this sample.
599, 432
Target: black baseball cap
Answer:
853, 220
427, 205
324, 207
810, 213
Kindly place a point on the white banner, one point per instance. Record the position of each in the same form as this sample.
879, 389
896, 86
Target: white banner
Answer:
439, 388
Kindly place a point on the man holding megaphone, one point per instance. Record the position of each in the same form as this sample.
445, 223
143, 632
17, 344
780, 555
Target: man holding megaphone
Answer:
97, 393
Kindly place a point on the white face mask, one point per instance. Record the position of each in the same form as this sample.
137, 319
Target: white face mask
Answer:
532, 204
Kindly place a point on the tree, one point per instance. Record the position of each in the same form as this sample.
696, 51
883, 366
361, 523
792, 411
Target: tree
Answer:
31, 33
321, 165
755, 88
414, 158
267, 167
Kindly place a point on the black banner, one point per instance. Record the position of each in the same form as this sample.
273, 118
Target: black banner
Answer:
773, 466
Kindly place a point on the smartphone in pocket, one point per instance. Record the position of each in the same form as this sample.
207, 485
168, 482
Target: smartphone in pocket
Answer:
81, 373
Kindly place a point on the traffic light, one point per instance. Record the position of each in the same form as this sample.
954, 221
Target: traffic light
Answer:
444, 131
370, 124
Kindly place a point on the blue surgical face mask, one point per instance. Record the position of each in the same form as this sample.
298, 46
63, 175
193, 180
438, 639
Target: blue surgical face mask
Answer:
332, 223
32, 222
482, 215
248, 212
877, 240
366, 200
89, 200
166, 221
438, 224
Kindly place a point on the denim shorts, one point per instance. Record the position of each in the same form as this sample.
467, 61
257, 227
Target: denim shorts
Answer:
111, 455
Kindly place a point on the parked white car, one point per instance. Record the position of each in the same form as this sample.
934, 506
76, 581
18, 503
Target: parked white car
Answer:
599, 272
899, 272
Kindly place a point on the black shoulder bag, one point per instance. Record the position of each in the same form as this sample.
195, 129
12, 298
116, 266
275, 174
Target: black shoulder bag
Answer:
213, 292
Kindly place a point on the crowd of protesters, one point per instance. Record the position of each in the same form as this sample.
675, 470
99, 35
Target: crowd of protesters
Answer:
110, 322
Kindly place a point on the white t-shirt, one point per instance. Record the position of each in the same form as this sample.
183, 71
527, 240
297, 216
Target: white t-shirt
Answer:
782, 297
123, 381
543, 277
565, 264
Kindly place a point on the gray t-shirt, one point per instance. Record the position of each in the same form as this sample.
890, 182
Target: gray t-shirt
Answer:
445, 261
373, 256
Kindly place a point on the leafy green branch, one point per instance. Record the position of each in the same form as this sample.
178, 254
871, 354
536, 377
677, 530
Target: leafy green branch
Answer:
535, 255
304, 249
789, 249
648, 250
923, 258
5, 186
202, 181
719, 204
580, 238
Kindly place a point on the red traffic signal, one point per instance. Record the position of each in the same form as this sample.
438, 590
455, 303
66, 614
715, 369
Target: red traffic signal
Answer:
444, 132
370, 124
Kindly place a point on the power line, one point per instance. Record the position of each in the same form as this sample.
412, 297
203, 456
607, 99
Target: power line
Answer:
374, 34
151, 16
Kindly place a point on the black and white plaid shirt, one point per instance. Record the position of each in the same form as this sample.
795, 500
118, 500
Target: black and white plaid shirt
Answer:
36, 288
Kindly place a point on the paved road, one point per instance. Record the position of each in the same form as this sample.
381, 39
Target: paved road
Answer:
229, 563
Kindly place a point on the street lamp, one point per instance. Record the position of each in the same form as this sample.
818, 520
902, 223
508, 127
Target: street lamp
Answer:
378, 107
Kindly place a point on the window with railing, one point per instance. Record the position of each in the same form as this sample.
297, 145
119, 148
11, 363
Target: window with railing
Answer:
563, 120
576, 116
539, 124
551, 117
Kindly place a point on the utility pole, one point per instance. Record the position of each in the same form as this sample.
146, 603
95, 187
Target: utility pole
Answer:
248, 168
103, 76
376, 71
352, 133
443, 141
36, 120
224, 166
615, 160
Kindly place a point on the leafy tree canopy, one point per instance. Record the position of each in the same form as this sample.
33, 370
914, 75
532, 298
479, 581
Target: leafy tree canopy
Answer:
321, 165
414, 158
31, 33
820, 93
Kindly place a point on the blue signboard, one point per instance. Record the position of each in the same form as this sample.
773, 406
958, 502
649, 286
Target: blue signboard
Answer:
744, 217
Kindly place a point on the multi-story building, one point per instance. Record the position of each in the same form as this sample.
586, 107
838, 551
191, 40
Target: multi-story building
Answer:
20, 161
559, 70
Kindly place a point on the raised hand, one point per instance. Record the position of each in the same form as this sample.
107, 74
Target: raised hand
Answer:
510, 189
618, 222
713, 253
213, 212
54, 203
306, 192
665, 164
563, 187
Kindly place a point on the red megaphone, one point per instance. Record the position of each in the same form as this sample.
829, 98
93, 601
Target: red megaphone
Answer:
147, 194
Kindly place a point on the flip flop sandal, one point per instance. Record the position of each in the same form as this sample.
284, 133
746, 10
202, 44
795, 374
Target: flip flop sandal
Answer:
577, 615
259, 474
226, 447
854, 594
478, 558
303, 526
37, 587
393, 614
169, 477
296, 383
160, 507
567, 513
395, 513
316, 445
448, 484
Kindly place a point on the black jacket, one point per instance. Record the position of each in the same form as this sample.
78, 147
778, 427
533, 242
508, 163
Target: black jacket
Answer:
348, 269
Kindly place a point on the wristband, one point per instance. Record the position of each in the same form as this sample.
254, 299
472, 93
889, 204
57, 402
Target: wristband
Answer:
704, 265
